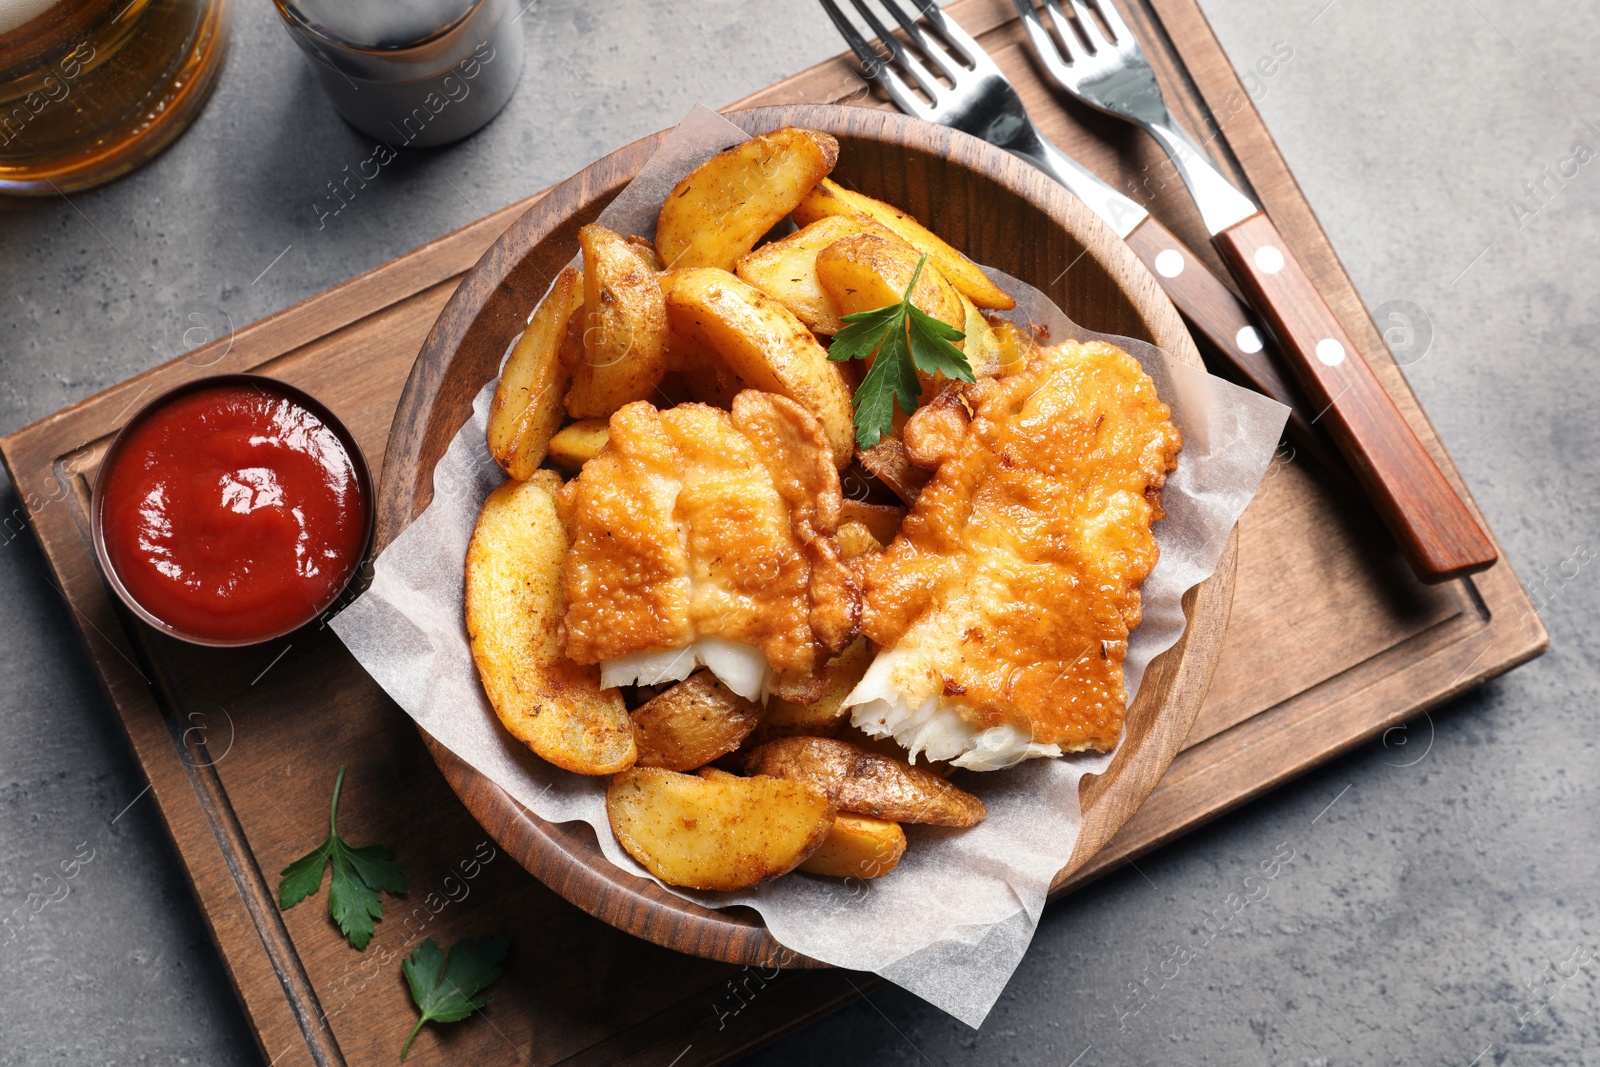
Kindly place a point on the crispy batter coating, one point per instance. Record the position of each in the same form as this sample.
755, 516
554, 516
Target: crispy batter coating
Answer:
696, 522
1012, 587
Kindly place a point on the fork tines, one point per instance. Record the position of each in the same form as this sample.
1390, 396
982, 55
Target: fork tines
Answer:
967, 60
1078, 37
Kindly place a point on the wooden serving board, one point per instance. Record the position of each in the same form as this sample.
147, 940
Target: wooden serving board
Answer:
1331, 641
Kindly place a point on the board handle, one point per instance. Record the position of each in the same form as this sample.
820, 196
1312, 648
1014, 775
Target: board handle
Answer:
1433, 525
1236, 335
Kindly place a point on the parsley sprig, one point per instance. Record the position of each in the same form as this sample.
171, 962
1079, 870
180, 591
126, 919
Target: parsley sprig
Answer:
358, 875
443, 987
906, 340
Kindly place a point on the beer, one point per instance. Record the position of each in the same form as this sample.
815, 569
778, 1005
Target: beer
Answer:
90, 89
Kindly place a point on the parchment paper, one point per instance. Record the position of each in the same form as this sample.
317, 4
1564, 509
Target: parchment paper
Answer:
953, 921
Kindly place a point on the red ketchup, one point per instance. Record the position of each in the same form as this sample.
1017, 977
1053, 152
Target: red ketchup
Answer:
233, 512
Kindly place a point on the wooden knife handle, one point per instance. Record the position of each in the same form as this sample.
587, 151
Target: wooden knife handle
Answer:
1235, 333
1435, 528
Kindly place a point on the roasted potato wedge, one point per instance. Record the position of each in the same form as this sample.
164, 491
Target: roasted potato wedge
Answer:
704, 832
737, 338
892, 749
888, 462
527, 408
648, 251
721, 209
882, 519
786, 269
824, 715
692, 724
866, 783
855, 540
573, 446
830, 198
1015, 346
981, 346
858, 846
572, 343
866, 271
513, 606
625, 327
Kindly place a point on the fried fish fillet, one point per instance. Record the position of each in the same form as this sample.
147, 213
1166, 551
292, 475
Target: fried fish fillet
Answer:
1002, 610
699, 535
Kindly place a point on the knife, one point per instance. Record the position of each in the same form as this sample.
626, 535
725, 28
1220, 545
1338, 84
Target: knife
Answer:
983, 102
1106, 68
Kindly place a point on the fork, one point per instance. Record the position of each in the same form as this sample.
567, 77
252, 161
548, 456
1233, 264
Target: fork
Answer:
981, 101
1107, 69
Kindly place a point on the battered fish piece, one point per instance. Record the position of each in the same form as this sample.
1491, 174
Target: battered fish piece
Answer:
1002, 609
706, 536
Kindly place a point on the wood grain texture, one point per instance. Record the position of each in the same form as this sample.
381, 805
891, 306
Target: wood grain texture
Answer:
995, 208
1234, 342
1331, 642
1434, 527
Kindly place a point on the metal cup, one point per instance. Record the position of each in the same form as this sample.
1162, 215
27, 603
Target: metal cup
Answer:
414, 73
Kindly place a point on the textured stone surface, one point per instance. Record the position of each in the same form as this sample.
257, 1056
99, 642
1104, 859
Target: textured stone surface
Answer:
1437, 888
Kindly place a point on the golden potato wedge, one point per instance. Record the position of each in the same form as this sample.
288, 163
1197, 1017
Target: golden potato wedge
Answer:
866, 783
798, 687
704, 832
981, 346
786, 269
513, 605
742, 338
527, 408
822, 716
882, 519
887, 461
830, 198
572, 343
867, 271
717, 774
648, 251
858, 846
855, 540
720, 209
573, 446
692, 724
625, 327
1015, 344
889, 747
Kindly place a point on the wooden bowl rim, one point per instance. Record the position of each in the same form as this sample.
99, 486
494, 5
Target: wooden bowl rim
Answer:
566, 857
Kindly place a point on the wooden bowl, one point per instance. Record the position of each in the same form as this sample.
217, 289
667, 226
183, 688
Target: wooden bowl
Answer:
997, 209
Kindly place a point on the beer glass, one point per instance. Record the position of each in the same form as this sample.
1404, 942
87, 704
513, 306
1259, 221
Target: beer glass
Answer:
90, 89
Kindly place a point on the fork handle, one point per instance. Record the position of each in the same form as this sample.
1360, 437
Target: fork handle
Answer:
1433, 525
1235, 333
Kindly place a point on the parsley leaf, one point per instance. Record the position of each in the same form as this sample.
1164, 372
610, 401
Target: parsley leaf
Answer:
865, 329
358, 875
442, 988
906, 340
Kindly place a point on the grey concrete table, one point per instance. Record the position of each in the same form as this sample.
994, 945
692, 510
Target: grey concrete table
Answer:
1440, 907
